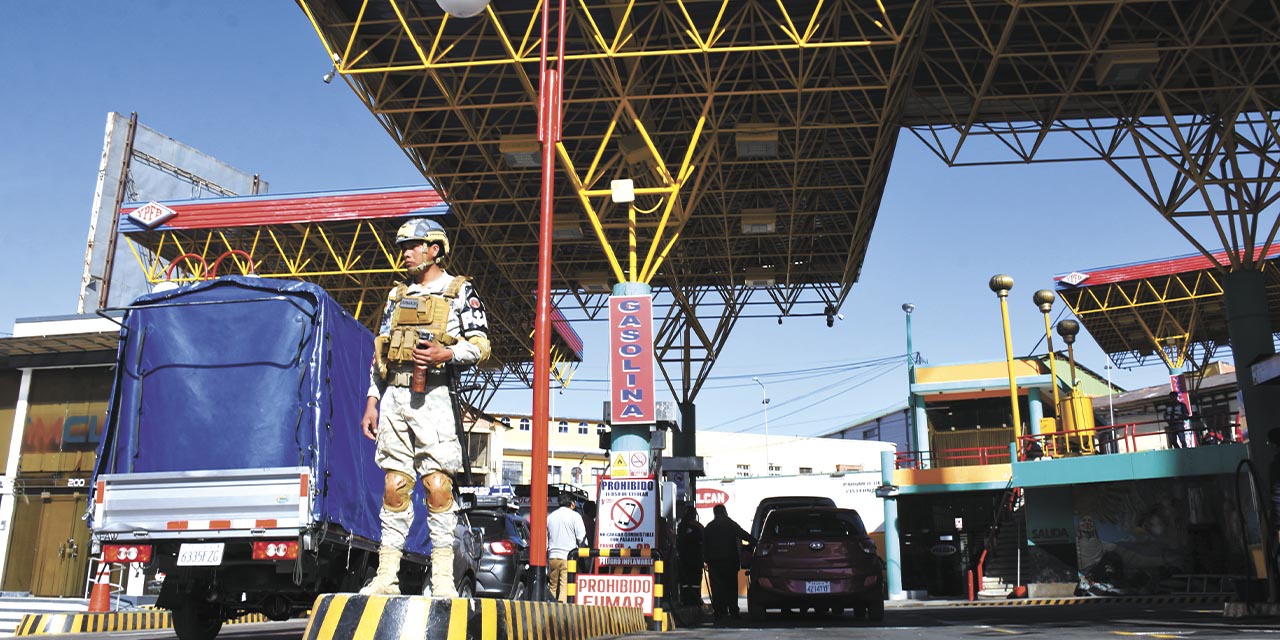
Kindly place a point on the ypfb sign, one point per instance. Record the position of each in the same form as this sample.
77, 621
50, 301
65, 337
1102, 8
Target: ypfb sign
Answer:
631, 359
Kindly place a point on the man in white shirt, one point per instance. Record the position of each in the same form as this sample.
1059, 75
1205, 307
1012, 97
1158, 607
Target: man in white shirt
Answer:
565, 532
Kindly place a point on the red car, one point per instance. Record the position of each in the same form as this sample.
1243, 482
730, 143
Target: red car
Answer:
819, 558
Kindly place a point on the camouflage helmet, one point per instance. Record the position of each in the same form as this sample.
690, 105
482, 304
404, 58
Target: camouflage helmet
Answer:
426, 230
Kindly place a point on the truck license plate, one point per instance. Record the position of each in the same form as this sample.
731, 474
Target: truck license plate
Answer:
817, 586
207, 554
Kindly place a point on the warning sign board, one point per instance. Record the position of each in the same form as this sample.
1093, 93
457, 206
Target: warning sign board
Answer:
604, 590
626, 513
638, 463
618, 465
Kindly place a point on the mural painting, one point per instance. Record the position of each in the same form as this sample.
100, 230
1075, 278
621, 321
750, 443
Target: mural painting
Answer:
1145, 537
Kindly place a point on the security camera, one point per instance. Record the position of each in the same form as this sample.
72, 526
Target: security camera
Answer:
328, 77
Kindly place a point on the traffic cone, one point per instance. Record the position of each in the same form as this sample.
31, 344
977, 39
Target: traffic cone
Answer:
100, 594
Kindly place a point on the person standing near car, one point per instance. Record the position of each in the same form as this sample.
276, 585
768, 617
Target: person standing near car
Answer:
565, 532
722, 540
689, 549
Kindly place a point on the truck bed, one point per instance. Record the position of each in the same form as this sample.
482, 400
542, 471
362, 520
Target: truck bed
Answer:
202, 504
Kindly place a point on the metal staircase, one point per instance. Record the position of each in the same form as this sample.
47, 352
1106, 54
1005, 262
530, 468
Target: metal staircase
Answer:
998, 566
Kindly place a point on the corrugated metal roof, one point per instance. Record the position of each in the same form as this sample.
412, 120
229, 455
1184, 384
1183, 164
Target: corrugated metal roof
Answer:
65, 343
1189, 263
272, 209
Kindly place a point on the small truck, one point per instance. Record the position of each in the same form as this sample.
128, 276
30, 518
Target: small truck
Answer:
233, 460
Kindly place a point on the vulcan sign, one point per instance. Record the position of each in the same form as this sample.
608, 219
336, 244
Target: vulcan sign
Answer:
631, 360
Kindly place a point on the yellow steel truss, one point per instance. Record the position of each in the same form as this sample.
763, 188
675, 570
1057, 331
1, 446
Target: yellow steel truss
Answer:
1176, 95
353, 260
1181, 318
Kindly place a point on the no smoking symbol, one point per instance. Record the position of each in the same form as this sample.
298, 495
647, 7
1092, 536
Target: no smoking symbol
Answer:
639, 459
627, 513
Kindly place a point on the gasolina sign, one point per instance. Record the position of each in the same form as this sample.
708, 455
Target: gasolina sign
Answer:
631, 359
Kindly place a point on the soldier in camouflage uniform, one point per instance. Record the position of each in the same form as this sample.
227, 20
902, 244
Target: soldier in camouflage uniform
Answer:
431, 320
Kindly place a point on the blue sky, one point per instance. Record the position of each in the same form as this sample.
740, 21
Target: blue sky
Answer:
240, 80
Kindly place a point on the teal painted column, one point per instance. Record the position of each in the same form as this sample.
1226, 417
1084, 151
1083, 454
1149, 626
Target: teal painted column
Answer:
892, 545
921, 428
1035, 408
630, 437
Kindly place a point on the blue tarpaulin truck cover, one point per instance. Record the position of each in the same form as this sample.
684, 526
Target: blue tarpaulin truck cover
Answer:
251, 373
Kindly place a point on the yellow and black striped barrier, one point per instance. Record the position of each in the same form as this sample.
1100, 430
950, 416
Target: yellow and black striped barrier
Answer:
345, 615
661, 621
41, 624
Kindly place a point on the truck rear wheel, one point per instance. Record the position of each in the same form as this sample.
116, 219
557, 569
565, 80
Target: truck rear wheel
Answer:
194, 622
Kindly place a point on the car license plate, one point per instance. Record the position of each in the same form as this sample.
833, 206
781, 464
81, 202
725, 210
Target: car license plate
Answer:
817, 586
205, 554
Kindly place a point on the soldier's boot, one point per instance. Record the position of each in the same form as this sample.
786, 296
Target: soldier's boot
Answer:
442, 573
386, 582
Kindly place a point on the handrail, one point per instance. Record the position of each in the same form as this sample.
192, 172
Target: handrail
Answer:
1125, 437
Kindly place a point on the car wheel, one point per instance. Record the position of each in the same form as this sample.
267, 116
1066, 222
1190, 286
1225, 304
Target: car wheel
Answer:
518, 591
875, 610
195, 622
467, 589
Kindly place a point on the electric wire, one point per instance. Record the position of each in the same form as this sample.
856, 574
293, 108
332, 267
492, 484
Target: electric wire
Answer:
838, 392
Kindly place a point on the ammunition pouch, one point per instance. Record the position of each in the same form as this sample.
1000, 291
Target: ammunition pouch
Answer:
411, 316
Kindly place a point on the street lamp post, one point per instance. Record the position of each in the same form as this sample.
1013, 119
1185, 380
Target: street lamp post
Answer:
1111, 409
1001, 284
1068, 329
907, 308
1044, 300
764, 395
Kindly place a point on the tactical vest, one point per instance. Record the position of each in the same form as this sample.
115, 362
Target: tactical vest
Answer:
410, 317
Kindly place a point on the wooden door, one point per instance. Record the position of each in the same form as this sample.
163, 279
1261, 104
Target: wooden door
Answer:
62, 547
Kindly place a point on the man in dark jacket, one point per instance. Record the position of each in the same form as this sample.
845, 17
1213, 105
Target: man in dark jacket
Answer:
689, 549
1175, 422
721, 541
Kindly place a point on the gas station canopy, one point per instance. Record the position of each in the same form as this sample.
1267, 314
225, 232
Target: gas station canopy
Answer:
1171, 309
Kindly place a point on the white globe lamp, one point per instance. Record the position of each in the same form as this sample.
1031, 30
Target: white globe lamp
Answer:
463, 8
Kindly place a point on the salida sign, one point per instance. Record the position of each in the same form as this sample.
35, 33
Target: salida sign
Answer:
631, 359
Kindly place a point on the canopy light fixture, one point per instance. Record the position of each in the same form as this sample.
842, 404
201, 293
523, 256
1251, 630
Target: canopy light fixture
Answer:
521, 151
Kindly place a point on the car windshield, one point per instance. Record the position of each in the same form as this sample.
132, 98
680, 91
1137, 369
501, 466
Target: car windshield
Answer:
810, 524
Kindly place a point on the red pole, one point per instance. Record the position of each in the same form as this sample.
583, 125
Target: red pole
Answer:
549, 134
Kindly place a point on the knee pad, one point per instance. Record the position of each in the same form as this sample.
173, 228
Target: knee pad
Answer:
439, 491
395, 495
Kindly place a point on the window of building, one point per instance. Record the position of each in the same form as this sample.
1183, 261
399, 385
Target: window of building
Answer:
804, 471
512, 472
584, 429
576, 474
525, 424
775, 470
744, 471
554, 474
871, 434
562, 427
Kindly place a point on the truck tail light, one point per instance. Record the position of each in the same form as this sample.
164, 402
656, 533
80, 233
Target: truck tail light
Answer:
502, 548
275, 550
126, 553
